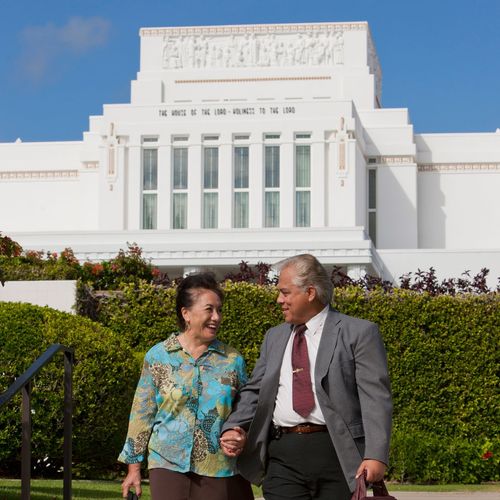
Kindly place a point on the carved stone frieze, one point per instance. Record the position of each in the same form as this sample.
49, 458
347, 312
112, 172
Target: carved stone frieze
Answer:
319, 44
38, 175
253, 50
260, 45
458, 167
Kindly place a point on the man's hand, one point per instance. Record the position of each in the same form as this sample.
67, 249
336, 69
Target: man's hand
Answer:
132, 480
375, 470
233, 441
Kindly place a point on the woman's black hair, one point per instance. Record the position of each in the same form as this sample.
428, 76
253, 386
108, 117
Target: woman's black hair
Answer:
186, 292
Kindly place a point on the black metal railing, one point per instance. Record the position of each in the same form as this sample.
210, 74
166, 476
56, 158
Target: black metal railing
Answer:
23, 384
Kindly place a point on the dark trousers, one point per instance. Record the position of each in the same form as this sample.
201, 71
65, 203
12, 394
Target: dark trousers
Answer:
304, 467
169, 485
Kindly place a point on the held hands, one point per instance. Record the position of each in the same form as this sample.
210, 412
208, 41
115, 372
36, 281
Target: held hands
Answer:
132, 480
233, 441
374, 470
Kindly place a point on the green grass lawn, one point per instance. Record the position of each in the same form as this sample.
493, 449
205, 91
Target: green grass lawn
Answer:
46, 489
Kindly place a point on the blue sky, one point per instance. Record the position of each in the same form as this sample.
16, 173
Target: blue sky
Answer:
61, 60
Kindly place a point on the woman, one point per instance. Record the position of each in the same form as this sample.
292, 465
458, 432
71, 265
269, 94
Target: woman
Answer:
185, 393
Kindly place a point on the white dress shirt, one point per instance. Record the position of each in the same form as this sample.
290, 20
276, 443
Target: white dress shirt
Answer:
284, 415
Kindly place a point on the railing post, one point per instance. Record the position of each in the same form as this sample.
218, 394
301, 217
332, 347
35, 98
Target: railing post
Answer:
26, 442
68, 427
23, 384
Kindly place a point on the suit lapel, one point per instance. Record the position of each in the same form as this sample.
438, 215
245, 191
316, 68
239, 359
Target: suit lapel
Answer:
278, 349
327, 344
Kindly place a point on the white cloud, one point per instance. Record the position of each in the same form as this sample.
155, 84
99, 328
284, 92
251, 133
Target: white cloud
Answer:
44, 45
84, 34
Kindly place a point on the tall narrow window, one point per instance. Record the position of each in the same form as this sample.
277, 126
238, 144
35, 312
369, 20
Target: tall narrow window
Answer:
210, 210
302, 185
210, 187
372, 205
241, 195
272, 209
272, 166
211, 168
179, 188
149, 188
271, 186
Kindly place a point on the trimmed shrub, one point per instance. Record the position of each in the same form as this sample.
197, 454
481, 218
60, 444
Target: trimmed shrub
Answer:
423, 457
143, 315
443, 358
248, 312
104, 378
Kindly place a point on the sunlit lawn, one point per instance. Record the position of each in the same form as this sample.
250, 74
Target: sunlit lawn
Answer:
46, 489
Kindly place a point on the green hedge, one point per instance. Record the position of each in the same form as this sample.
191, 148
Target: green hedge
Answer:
443, 360
104, 378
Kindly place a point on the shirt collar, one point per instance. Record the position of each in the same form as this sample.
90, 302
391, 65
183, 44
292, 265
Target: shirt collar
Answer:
314, 324
172, 344
218, 346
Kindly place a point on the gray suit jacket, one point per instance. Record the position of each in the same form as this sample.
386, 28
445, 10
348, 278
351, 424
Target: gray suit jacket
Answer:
352, 387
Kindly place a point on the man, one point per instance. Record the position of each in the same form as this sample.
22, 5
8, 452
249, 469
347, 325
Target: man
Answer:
309, 422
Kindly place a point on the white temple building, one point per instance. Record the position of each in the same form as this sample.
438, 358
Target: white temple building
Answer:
254, 143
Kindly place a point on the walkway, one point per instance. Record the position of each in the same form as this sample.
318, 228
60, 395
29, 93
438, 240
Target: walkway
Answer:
456, 495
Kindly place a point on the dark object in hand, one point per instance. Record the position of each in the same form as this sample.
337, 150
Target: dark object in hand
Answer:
132, 496
379, 490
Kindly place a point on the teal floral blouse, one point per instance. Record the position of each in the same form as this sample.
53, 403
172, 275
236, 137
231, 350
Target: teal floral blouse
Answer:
179, 407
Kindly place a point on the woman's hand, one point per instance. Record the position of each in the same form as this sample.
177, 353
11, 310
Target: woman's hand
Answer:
233, 441
132, 480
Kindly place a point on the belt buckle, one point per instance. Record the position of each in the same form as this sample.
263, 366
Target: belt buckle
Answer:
301, 429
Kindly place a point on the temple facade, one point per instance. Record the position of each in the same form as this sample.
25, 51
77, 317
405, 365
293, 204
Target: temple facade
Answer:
254, 143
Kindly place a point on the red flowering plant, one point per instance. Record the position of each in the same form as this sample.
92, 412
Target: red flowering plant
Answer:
18, 264
33, 256
56, 266
129, 266
9, 247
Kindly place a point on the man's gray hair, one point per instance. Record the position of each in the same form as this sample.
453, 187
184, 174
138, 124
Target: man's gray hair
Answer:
309, 272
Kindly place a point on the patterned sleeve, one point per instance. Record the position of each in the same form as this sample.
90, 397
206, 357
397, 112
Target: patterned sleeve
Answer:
142, 417
241, 370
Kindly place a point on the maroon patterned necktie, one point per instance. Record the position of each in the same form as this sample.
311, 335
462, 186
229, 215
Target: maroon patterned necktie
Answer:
302, 393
